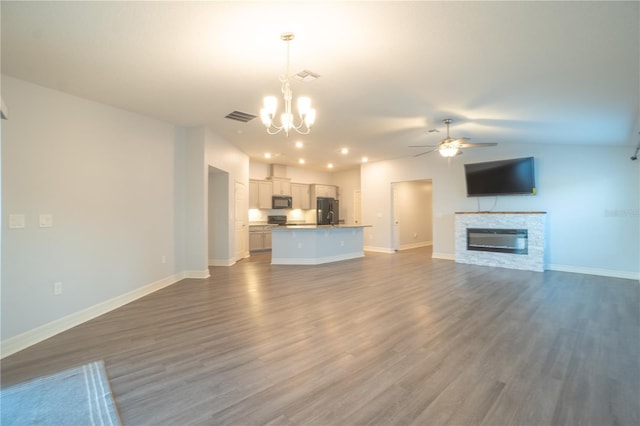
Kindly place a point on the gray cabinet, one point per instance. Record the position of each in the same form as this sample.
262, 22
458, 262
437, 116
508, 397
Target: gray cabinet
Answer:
260, 194
327, 191
300, 197
280, 186
259, 237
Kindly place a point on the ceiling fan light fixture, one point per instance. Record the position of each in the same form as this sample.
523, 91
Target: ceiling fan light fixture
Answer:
449, 147
448, 150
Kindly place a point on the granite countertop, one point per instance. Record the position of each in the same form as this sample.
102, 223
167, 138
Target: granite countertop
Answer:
315, 227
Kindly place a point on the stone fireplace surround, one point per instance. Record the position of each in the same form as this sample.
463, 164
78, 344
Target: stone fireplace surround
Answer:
533, 222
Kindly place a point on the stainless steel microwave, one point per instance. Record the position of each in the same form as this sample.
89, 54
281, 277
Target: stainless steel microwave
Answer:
281, 202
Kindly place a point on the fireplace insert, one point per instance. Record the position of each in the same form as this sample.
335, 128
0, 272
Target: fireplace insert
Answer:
498, 240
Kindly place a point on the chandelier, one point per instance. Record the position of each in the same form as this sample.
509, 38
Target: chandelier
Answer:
287, 123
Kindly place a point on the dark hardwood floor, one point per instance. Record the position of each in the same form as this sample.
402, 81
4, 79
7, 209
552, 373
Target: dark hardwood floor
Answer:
389, 339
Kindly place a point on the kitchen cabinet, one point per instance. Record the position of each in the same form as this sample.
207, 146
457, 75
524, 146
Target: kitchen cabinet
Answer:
259, 237
280, 186
300, 196
328, 191
260, 193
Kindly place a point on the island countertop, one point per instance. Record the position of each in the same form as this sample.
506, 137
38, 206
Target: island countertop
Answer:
317, 227
316, 244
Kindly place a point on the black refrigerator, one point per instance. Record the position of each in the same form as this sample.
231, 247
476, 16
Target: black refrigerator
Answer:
327, 211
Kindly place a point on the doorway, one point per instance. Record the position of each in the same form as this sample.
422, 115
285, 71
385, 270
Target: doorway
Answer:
412, 214
218, 218
240, 222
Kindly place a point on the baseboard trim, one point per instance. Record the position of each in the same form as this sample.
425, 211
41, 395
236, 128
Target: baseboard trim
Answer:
195, 274
221, 262
595, 271
31, 337
443, 256
415, 245
378, 249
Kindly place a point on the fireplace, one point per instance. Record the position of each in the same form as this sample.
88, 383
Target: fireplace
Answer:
498, 240
514, 240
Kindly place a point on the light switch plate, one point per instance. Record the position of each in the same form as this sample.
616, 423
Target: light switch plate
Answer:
46, 220
16, 221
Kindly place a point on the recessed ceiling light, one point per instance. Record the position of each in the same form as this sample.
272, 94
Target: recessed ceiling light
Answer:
365, 159
267, 155
330, 165
301, 161
344, 151
299, 144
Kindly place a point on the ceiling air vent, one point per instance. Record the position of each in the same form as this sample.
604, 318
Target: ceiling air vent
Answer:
306, 75
240, 116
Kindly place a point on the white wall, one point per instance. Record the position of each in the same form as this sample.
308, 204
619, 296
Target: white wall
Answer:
259, 170
129, 200
591, 195
107, 178
180, 197
348, 181
222, 155
196, 189
376, 179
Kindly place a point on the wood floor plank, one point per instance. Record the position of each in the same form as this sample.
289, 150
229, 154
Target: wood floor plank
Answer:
388, 339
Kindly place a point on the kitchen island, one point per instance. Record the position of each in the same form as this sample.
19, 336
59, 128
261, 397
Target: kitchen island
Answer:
316, 244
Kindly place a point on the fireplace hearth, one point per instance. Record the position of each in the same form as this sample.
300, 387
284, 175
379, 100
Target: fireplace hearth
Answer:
498, 240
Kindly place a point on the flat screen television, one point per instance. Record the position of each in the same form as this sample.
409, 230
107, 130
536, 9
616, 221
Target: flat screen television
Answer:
504, 177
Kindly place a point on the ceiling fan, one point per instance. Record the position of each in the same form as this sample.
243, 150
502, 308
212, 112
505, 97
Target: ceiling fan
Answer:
448, 147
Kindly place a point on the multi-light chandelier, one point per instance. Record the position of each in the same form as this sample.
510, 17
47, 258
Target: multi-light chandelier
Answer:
287, 121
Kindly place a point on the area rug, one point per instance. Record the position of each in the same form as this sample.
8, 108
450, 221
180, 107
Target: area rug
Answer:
78, 396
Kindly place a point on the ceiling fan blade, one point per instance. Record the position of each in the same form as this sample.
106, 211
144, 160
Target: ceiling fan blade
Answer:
477, 145
422, 146
426, 152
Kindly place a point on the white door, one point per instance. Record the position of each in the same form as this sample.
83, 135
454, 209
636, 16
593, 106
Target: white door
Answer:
357, 207
240, 220
395, 229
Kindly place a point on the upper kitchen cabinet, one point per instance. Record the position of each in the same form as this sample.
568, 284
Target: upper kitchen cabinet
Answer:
300, 198
260, 193
280, 186
329, 191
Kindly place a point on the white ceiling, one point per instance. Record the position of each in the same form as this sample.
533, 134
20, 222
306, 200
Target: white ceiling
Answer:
506, 72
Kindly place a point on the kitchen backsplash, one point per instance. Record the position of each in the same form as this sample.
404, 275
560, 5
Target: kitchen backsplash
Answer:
307, 216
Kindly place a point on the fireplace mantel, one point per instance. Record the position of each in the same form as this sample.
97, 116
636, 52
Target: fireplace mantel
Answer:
533, 222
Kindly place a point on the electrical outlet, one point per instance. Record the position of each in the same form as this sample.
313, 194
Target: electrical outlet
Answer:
163, 259
16, 221
57, 288
45, 220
